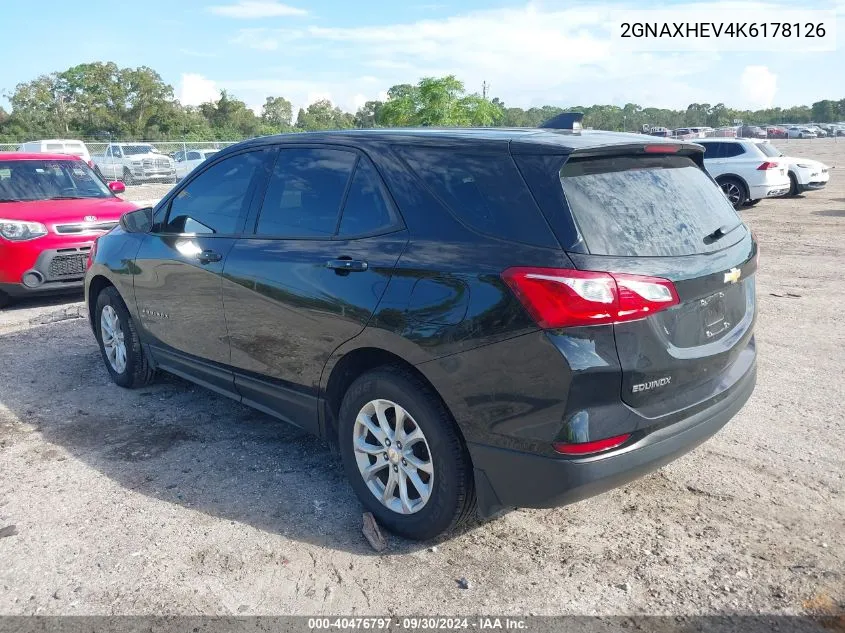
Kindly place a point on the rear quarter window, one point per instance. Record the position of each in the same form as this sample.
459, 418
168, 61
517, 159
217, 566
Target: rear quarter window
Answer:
646, 206
484, 191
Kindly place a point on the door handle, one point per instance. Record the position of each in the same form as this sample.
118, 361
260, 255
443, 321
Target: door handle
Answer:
346, 265
207, 257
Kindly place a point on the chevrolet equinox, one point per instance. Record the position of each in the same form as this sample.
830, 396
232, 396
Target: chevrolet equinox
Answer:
479, 319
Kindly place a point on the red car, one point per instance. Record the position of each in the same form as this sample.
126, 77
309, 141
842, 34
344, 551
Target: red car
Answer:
52, 207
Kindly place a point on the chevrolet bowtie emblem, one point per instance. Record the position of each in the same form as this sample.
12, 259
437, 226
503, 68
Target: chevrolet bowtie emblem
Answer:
732, 276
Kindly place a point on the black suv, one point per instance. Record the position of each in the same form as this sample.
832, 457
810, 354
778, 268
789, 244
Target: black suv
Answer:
482, 318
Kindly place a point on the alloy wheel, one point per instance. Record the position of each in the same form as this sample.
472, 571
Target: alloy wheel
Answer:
733, 192
111, 334
393, 456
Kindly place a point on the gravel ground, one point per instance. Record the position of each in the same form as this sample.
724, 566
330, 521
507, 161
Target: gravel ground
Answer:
171, 499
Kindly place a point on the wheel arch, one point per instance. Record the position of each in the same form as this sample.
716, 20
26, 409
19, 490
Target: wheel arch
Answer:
346, 368
94, 287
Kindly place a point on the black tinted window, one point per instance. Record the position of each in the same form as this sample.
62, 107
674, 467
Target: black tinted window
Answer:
217, 200
713, 150
484, 191
646, 206
732, 149
366, 210
305, 192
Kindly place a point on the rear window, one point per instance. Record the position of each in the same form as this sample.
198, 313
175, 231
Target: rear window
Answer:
485, 192
646, 206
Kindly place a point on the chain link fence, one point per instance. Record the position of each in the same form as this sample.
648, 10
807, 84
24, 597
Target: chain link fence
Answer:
165, 147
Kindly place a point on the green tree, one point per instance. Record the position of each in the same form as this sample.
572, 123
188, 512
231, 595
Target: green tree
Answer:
322, 115
369, 114
277, 112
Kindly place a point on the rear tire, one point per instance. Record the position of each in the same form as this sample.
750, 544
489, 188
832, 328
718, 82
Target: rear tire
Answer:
433, 443
735, 191
793, 185
128, 365
4, 299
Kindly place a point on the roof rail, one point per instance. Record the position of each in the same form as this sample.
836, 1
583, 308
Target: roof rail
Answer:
564, 121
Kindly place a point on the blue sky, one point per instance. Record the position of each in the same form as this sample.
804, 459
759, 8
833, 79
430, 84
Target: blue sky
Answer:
530, 53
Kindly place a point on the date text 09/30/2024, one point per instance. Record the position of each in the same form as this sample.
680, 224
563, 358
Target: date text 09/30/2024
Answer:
431, 623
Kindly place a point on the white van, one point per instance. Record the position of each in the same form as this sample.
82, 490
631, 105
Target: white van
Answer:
58, 146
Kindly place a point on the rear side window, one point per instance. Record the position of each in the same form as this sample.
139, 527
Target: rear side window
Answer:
366, 211
305, 193
485, 192
713, 150
646, 206
733, 149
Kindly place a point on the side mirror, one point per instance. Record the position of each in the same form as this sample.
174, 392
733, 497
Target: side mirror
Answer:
137, 221
117, 187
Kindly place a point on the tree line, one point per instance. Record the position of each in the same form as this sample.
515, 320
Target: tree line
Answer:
101, 100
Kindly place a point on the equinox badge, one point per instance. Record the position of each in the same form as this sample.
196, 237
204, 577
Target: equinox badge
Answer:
732, 276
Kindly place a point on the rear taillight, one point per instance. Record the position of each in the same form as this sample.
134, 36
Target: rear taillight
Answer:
767, 165
587, 448
558, 298
661, 149
91, 254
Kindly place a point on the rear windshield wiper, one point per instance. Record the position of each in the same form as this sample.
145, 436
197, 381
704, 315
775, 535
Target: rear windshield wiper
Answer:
719, 233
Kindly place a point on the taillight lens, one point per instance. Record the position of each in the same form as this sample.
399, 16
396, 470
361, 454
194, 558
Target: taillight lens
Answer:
588, 448
558, 298
767, 165
91, 255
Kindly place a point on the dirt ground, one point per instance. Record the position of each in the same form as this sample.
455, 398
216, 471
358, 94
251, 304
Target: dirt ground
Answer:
172, 499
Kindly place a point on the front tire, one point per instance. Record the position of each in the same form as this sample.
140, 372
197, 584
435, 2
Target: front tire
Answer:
751, 203
4, 299
120, 345
415, 476
735, 191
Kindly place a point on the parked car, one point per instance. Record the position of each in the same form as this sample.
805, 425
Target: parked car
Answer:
800, 132
52, 206
804, 174
424, 299
773, 131
134, 163
820, 131
660, 132
187, 161
751, 131
744, 173
58, 146
724, 132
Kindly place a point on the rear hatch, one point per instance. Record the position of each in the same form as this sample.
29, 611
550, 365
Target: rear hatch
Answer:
655, 213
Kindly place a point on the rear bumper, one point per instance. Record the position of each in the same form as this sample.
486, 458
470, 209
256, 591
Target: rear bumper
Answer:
507, 478
757, 192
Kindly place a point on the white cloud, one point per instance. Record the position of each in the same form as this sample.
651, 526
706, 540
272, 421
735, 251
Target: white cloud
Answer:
195, 89
252, 9
758, 86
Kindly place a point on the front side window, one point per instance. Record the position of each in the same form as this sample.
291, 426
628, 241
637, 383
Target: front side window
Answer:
216, 201
305, 192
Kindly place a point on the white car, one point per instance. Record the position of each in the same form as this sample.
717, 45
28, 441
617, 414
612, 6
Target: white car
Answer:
804, 174
745, 174
187, 161
800, 132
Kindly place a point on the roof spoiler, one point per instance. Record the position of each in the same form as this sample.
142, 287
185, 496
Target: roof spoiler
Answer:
564, 121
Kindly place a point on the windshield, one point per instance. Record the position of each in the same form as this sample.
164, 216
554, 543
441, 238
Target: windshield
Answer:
206, 153
646, 206
768, 149
27, 180
131, 150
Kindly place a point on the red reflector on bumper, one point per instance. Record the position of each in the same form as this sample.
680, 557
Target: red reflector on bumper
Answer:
586, 448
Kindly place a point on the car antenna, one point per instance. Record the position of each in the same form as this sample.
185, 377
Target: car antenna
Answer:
564, 121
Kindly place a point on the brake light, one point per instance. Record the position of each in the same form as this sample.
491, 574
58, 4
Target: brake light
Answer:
91, 254
586, 448
661, 149
767, 165
558, 298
